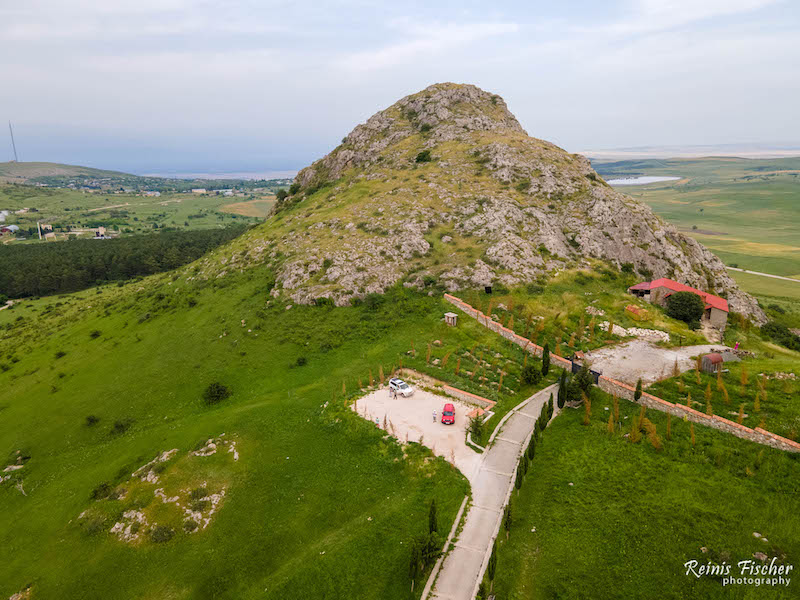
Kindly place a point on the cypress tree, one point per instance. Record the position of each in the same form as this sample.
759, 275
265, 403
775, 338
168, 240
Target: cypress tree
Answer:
508, 520
492, 566
433, 523
550, 406
638, 393
532, 448
518, 482
562, 389
546, 359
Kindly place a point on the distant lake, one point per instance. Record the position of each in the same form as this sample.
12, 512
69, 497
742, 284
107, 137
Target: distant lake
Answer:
644, 180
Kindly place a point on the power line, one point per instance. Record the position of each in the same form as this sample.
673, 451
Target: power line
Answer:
13, 145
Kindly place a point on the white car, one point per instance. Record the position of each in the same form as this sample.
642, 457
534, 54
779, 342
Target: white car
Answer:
400, 387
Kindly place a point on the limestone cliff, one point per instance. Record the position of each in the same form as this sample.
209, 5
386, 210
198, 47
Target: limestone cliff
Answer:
445, 186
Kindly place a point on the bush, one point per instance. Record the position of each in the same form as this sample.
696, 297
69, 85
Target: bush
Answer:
160, 534
685, 306
215, 393
531, 375
301, 361
424, 156
120, 427
102, 491
92, 420
95, 334
294, 188
781, 334
373, 301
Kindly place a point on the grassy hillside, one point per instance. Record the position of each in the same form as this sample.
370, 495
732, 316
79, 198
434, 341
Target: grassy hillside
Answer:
23, 171
601, 517
98, 383
746, 211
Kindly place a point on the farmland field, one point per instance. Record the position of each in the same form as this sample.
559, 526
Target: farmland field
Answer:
746, 211
127, 212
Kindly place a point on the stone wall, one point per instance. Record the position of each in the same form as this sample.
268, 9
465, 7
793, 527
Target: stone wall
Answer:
507, 333
757, 435
623, 390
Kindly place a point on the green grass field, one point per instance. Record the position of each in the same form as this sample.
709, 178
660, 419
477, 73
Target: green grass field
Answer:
746, 211
320, 504
614, 519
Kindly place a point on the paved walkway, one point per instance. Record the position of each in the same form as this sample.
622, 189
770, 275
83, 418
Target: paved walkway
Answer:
465, 564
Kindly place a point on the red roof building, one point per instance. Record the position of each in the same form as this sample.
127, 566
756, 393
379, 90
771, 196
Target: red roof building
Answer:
658, 290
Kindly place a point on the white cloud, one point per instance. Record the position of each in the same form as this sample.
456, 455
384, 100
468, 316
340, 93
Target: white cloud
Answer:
424, 41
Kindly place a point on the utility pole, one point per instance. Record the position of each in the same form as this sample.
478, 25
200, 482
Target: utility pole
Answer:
39, 227
13, 145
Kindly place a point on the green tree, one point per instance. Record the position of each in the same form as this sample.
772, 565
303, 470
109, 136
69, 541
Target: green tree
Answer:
562, 389
424, 156
550, 407
492, 566
638, 393
433, 523
685, 306
531, 375
518, 481
546, 359
532, 448
508, 519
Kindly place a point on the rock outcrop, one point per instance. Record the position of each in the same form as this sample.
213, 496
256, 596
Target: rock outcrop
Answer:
445, 187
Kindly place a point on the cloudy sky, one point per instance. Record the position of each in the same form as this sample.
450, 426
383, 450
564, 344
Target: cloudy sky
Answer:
256, 85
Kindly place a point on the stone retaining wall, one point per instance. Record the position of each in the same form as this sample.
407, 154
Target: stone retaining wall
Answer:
507, 333
623, 390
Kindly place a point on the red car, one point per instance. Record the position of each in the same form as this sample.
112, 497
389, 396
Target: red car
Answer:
448, 414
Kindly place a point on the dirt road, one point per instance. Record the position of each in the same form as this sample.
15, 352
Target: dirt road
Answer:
642, 359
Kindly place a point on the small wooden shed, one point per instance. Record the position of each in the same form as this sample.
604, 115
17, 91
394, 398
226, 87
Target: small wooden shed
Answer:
711, 363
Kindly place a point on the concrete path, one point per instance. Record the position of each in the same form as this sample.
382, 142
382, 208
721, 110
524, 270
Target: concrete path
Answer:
465, 565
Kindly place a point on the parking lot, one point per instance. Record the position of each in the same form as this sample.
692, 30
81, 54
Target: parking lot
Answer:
411, 419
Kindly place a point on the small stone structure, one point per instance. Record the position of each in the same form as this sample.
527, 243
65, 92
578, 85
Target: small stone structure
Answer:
451, 319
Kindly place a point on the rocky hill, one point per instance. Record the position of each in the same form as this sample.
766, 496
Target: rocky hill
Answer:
446, 187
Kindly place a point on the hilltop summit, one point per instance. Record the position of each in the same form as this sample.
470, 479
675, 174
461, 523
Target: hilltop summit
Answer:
445, 188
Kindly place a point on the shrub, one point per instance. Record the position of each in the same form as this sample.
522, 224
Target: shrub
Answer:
198, 493
425, 128
95, 334
294, 188
103, 490
638, 393
160, 534
301, 361
120, 427
60, 354
373, 301
531, 375
685, 306
424, 156
92, 420
215, 393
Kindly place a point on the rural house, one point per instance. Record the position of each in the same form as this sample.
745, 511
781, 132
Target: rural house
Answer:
658, 290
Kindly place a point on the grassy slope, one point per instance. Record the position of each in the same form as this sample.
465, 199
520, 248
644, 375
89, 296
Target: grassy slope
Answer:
281, 514
29, 170
634, 515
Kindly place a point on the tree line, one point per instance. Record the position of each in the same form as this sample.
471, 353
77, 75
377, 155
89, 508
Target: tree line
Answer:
42, 269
